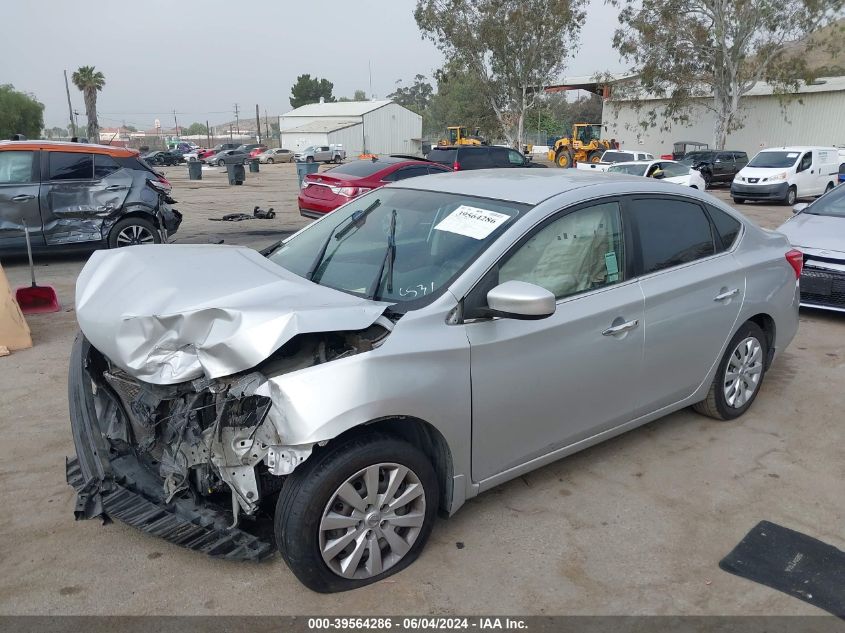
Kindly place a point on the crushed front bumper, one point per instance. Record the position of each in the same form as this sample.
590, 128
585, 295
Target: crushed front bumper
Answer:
119, 486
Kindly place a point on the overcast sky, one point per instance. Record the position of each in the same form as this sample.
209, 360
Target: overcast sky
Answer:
202, 57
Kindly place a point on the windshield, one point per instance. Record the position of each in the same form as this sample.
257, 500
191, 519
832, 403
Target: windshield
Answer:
774, 159
616, 157
437, 235
832, 204
694, 157
637, 169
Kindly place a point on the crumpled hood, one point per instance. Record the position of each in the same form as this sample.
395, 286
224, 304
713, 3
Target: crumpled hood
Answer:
171, 313
819, 232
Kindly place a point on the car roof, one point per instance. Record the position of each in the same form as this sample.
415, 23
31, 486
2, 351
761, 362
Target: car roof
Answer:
67, 146
529, 186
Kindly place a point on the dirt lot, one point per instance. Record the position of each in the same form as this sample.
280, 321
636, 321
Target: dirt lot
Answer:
633, 526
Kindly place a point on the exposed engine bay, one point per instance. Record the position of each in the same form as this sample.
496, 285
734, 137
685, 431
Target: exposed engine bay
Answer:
206, 442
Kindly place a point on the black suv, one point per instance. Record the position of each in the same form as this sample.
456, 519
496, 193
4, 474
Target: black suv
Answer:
461, 157
79, 196
716, 165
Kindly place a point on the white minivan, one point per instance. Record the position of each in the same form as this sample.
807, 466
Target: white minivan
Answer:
786, 174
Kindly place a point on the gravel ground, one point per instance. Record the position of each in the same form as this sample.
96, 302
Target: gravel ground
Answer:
636, 525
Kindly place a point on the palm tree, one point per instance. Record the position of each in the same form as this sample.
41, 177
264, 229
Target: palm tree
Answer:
89, 81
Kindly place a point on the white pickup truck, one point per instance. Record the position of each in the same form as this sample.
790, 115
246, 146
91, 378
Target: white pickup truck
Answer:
612, 156
321, 154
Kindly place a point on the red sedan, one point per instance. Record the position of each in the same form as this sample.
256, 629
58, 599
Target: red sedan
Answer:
326, 191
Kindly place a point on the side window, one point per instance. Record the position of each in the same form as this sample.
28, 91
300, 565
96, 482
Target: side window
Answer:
475, 159
16, 167
408, 172
575, 253
741, 157
726, 226
515, 158
104, 165
806, 161
71, 166
669, 232
673, 170
725, 157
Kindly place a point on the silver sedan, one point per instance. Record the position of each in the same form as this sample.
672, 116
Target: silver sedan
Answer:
425, 342
276, 155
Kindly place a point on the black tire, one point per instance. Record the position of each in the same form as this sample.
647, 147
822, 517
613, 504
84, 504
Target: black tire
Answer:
220, 163
715, 405
270, 160
310, 159
563, 159
708, 179
791, 196
739, 200
309, 489
829, 187
132, 225
337, 160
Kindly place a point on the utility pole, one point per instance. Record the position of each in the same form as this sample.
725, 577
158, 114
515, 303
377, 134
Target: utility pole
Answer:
266, 126
237, 120
257, 124
70, 107
207, 133
176, 122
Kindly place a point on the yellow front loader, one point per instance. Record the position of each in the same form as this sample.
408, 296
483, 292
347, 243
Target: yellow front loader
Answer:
585, 145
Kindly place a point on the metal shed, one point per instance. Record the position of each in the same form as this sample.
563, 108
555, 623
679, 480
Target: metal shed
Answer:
377, 127
813, 116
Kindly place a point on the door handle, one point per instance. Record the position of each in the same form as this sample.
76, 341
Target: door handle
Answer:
115, 188
23, 198
618, 329
726, 295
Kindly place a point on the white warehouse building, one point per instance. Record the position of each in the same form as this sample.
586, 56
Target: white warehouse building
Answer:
814, 116
375, 127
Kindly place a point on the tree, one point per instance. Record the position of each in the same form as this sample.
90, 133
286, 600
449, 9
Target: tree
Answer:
90, 81
515, 47
20, 113
457, 102
132, 128
307, 90
359, 95
196, 129
416, 97
710, 53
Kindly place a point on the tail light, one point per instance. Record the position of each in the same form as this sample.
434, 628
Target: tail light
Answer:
796, 260
164, 181
456, 166
349, 192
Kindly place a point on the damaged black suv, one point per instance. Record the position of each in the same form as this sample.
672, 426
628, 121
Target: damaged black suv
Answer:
80, 196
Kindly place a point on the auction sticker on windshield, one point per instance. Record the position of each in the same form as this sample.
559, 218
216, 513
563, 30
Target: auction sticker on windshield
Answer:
472, 222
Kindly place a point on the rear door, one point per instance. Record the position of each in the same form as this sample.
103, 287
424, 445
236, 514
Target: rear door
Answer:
475, 158
693, 292
19, 200
80, 190
723, 166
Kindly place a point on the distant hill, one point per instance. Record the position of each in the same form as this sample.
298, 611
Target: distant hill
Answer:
821, 61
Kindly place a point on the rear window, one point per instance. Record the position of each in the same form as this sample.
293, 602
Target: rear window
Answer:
71, 166
475, 159
104, 165
442, 156
616, 157
669, 232
359, 168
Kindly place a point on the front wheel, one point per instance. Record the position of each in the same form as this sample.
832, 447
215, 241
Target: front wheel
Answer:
356, 512
310, 159
739, 200
133, 232
563, 159
791, 196
270, 160
220, 163
738, 376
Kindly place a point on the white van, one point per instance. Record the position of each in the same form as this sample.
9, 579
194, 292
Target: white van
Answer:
786, 174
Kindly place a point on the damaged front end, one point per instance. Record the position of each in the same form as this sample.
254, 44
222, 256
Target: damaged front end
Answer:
199, 463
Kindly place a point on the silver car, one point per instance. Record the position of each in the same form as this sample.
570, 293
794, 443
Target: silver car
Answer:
276, 155
818, 231
416, 347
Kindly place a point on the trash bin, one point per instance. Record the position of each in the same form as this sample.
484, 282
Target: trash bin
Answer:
236, 173
253, 165
304, 168
194, 170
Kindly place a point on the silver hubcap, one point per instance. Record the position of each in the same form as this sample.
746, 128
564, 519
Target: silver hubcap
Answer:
133, 235
372, 520
743, 373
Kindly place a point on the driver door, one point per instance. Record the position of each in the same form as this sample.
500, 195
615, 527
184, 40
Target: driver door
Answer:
541, 385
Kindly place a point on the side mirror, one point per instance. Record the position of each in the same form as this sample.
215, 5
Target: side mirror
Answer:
520, 300
798, 208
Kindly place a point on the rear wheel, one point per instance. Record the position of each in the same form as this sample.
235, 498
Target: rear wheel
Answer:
270, 160
337, 159
829, 187
791, 196
739, 375
220, 163
310, 159
356, 512
594, 157
132, 232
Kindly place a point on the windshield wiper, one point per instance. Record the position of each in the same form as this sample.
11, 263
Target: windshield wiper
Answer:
389, 257
356, 220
